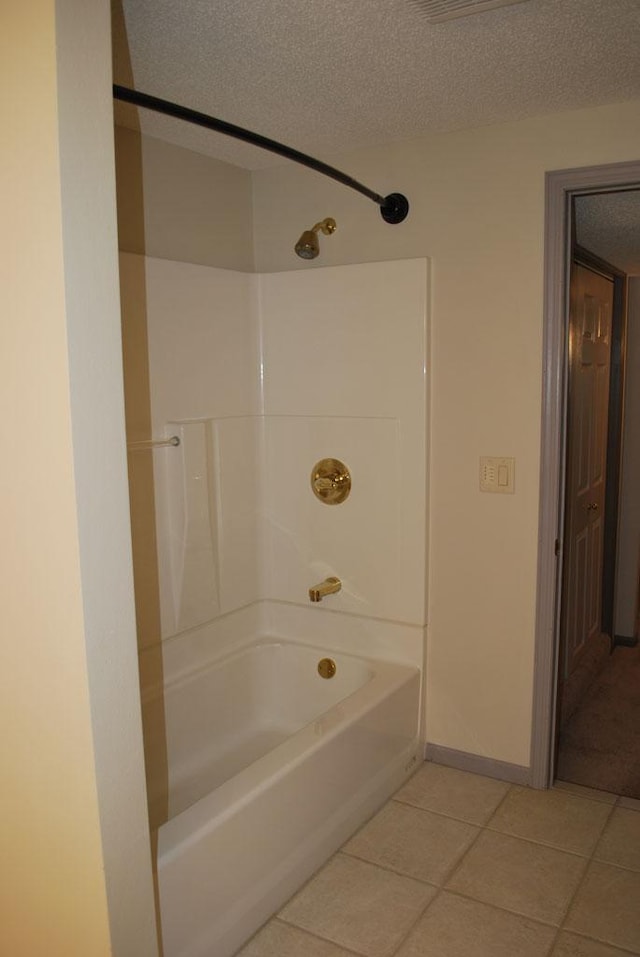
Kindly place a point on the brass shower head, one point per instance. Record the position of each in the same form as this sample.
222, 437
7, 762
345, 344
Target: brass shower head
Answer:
308, 246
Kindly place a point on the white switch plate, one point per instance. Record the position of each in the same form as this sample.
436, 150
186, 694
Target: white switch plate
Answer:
497, 474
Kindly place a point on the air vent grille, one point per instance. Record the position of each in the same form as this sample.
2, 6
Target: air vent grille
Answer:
436, 11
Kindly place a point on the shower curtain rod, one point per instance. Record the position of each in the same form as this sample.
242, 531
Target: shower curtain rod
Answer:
393, 208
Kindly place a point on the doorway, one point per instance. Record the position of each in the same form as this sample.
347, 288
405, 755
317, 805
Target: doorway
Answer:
598, 709
562, 188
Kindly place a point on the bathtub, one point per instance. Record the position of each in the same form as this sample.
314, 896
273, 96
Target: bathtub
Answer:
271, 767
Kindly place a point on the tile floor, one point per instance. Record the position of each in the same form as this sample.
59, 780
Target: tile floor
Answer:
458, 865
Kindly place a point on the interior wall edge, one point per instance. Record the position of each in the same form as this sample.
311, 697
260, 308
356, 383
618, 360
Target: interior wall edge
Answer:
89, 237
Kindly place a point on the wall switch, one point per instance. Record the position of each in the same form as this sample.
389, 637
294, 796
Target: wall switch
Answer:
497, 474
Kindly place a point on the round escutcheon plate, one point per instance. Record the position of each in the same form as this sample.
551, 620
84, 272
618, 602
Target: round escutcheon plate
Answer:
330, 481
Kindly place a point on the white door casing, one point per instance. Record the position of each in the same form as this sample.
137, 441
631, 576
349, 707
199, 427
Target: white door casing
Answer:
561, 185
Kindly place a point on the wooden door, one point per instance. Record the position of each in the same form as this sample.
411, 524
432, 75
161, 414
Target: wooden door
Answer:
590, 316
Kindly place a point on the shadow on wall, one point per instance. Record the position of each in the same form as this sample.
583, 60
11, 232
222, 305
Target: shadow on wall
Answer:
135, 355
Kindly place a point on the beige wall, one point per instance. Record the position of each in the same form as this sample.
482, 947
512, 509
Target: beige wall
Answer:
177, 204
72, 784
477, 211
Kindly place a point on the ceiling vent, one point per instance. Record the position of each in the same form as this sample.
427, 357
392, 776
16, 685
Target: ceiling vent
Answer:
436, 11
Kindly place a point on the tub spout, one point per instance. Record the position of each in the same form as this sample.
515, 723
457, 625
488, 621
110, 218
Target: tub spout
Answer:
328, 587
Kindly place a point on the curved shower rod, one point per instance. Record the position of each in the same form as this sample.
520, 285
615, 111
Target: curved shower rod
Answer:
393, 208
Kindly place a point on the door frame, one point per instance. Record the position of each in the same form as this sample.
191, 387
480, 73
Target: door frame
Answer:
561, 187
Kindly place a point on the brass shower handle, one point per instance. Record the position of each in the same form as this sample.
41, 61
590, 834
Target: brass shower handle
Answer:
337, 480
330, 481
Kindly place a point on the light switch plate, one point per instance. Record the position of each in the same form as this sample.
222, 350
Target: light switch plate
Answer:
497, 474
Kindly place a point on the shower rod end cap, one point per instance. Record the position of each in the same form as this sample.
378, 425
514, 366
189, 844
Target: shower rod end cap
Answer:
395, 208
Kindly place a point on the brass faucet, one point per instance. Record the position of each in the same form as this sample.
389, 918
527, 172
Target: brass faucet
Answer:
328, 587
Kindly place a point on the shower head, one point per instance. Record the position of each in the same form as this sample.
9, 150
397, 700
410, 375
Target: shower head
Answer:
308, 246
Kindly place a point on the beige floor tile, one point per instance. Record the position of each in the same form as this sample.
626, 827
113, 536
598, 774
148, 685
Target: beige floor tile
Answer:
529, 879
281, 940
633, 804
455, 927
459, 794
607, 906
604, 796
620, 843
413, 842
570, 945
552, 817
359, 906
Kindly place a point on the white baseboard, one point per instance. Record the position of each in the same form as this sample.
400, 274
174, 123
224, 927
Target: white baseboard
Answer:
477, 764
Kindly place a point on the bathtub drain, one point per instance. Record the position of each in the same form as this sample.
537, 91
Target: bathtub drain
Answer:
326, 667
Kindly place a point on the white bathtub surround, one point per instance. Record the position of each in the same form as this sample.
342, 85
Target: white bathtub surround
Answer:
189, 589
281, 766
204, 384
338, 630
207, 519
262, 376
199, 647
344, 354
317, 625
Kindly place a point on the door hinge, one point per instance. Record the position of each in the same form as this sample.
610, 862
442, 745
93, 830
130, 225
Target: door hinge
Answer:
556, 547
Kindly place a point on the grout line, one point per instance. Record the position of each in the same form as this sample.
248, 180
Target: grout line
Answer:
581, 882
618, 867
442, 889
557, 847
451, 817
606, 943
419, 917
530, 840
503, 910
635, 808
324, 940
487, 828
559, 785
481, 829
585, 858
555, 939
560, 928
388, 868
540, 843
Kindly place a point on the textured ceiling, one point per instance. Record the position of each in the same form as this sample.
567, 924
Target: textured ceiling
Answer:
329, 75
609, 226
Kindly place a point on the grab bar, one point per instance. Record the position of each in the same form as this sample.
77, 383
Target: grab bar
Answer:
153, 444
